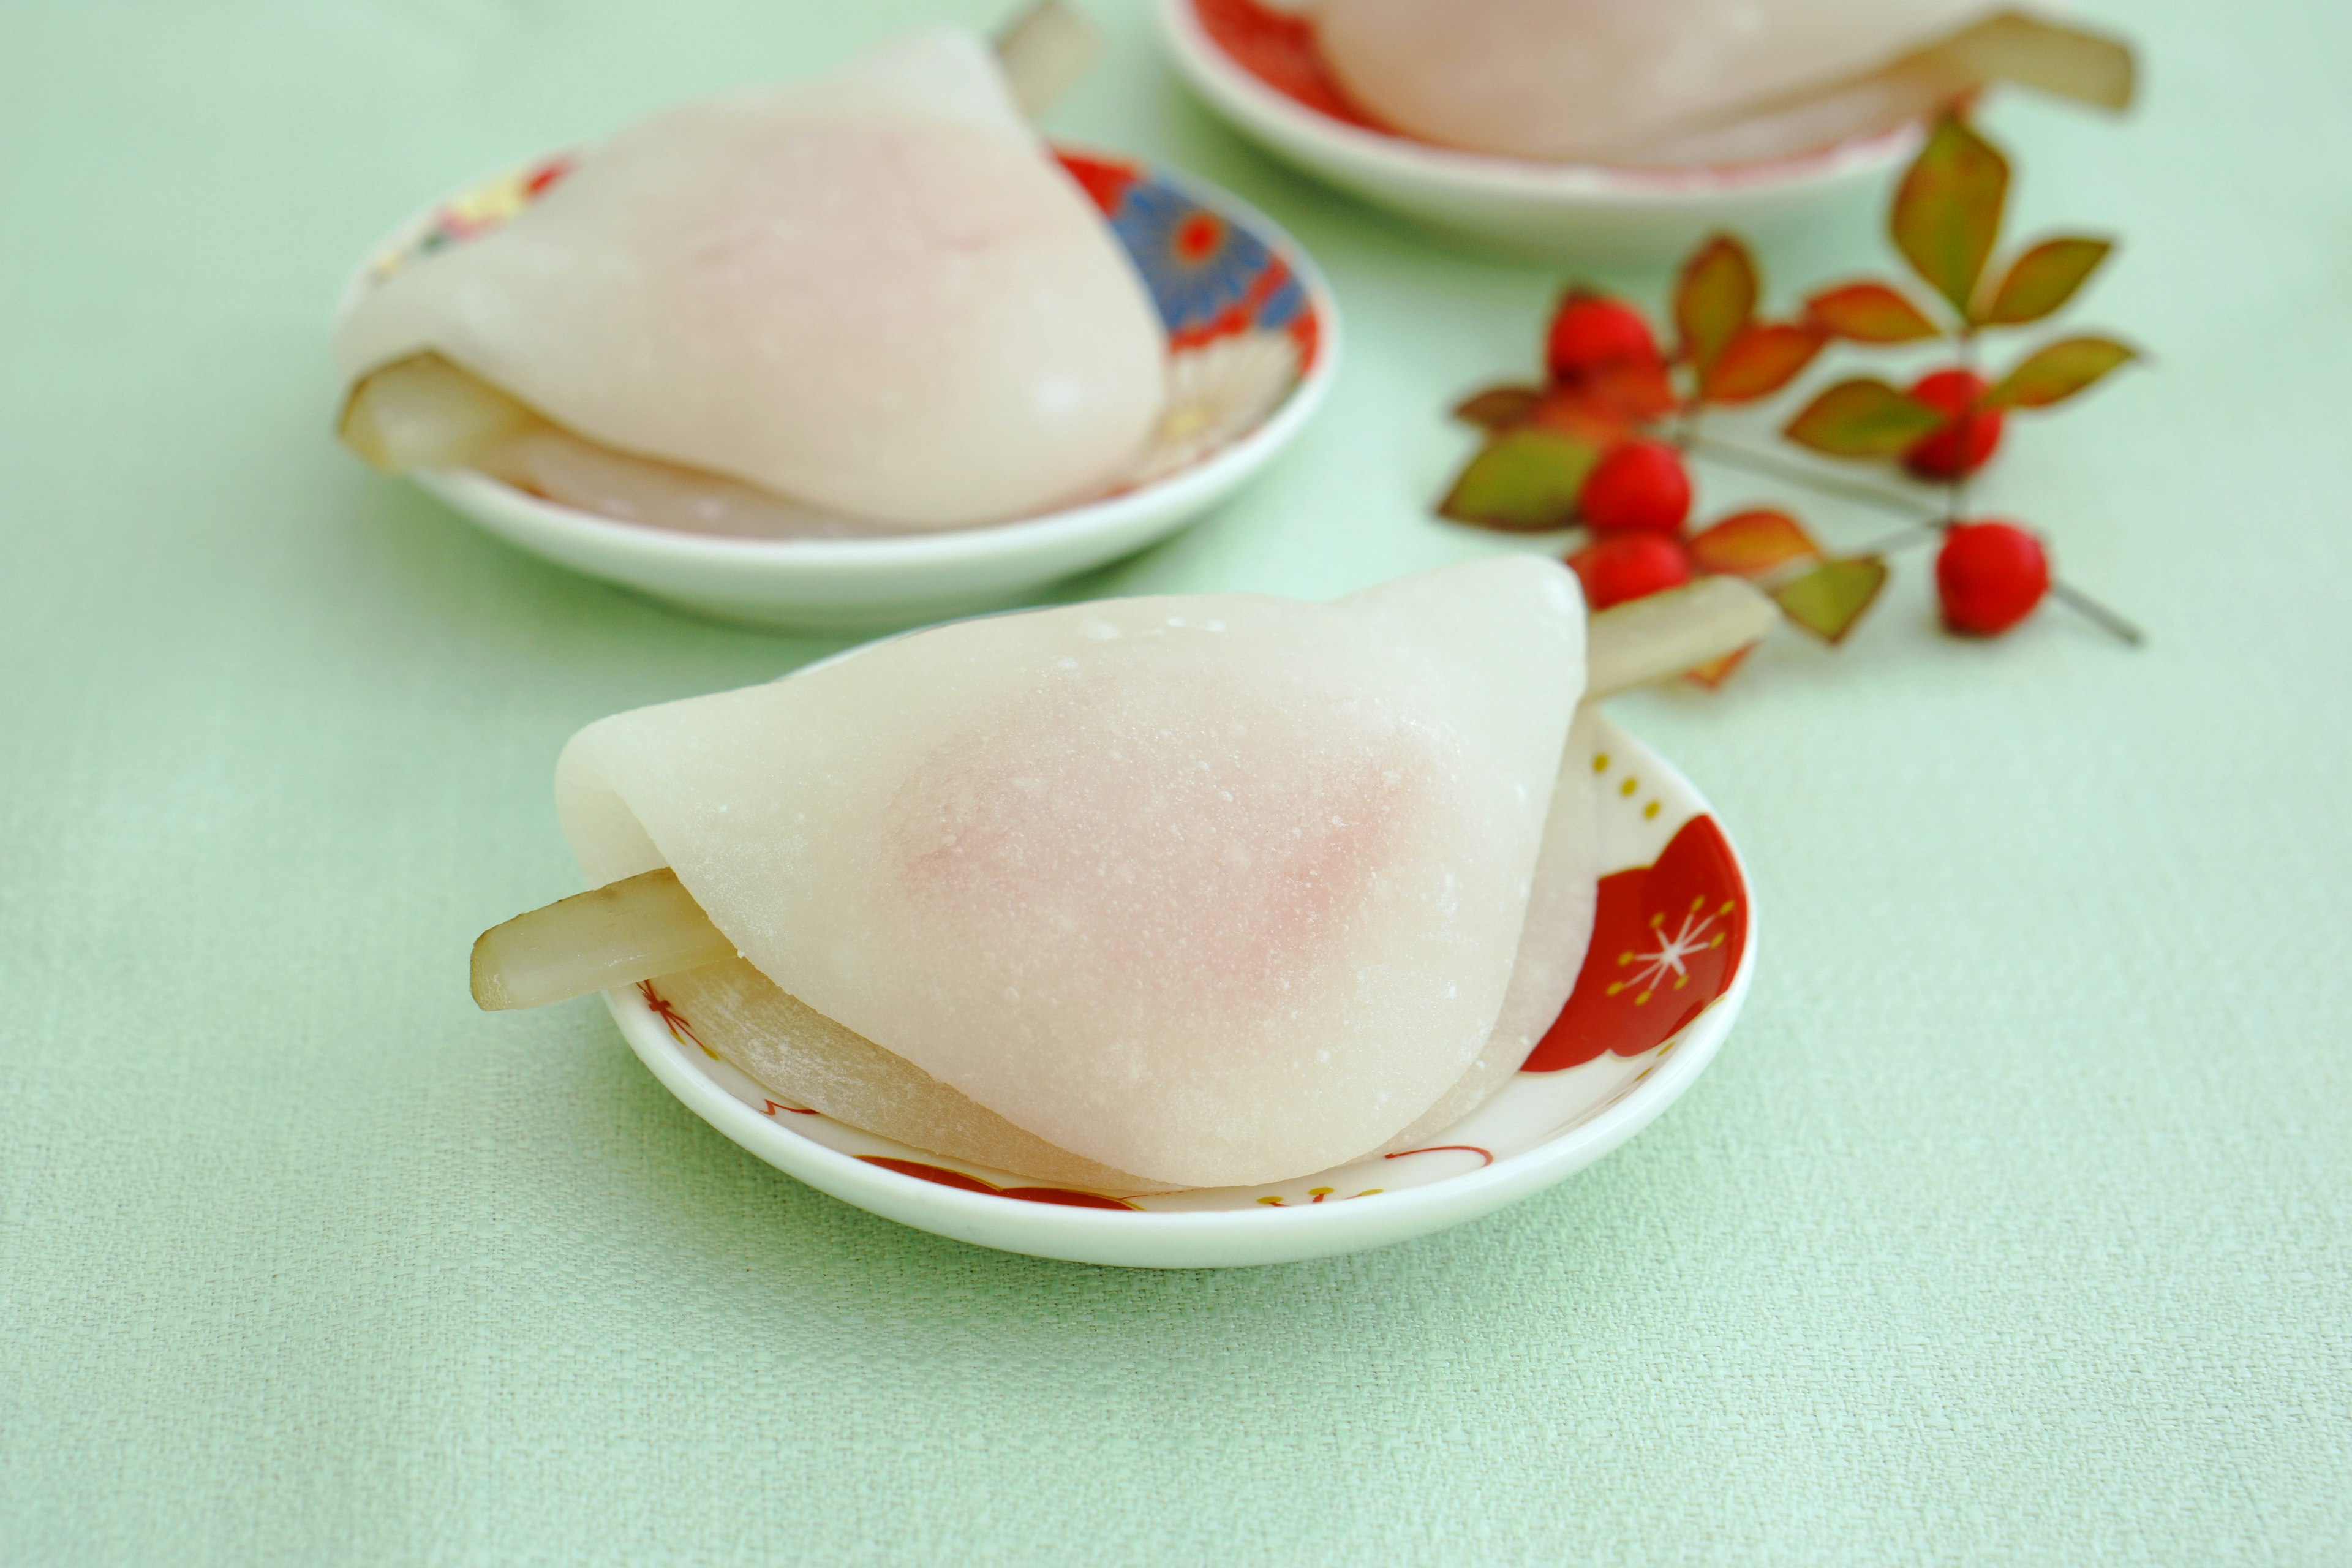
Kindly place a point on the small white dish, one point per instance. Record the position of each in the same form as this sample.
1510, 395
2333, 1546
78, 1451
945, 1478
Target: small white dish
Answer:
1255, 342
1551, 210
1673, 950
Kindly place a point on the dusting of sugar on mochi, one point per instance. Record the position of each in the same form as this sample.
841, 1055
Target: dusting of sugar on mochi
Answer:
1211, 910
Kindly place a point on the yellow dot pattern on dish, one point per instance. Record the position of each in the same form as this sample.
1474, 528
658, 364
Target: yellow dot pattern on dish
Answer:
1629, 788
1317, 1195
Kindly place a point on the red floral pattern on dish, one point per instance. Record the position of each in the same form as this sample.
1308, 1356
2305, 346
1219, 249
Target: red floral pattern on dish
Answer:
1486, 1156
1279, 50
1069, 1197
672, 1019
1105, 181
1209, 276
1666, 940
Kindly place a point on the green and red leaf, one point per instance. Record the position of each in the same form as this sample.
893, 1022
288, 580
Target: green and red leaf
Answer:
1522, 482
1566, 411
1713, 298
2045, 279
1752, 544
1864, 418
1946, 215
1828, 601
2056, 372
1607, 406
1870, 313
1632, 391
1498, 407
1760, 360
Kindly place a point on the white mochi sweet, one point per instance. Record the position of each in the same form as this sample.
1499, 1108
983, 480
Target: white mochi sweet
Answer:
1211, 890
739, 1014
1599, 79
874, 293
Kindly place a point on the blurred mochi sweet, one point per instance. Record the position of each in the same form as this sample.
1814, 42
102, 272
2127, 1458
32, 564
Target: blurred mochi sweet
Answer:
1634, 81
873, 295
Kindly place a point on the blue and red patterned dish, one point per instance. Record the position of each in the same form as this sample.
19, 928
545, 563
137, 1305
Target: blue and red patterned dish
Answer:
1252, 344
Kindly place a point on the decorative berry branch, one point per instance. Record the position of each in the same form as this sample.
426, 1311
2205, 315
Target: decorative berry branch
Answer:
1606, 440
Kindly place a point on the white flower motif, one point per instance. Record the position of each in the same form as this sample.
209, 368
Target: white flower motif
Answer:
1217, 393
1668, 960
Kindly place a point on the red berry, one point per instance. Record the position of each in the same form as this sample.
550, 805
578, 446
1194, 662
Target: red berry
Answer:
1629, 566
1964, 446
1639, 485
1591, 332
1990, 575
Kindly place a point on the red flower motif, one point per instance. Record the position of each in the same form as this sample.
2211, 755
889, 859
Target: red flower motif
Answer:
1667, 941
1197, 237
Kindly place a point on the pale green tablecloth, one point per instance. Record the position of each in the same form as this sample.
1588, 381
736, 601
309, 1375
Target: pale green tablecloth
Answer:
2011, 1226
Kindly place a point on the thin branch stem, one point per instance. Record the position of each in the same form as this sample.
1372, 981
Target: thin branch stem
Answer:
1894, 501
1903, 539
2085, 605
1687, 410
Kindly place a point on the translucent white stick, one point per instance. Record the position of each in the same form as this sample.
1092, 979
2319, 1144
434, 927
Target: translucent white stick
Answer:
424, 413
2048, 55
636, 928
1045, 51
647, 926
1667, 634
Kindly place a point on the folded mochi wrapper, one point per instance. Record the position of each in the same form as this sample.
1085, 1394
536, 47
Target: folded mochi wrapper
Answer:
1201, 890
874, 293
1567, 80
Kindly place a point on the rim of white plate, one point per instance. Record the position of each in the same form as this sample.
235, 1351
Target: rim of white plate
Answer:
1243, 95
1199, 481
1217, 1237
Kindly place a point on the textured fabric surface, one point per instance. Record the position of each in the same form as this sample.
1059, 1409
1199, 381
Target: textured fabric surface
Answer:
2010, 1227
